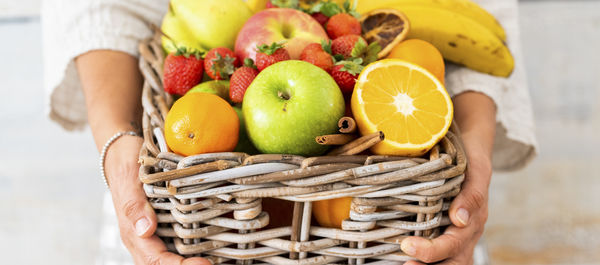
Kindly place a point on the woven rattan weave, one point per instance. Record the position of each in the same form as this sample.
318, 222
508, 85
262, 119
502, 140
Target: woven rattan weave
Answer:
210, 205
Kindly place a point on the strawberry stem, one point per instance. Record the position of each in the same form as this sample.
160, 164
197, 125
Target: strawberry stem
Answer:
269, 50
248, 62
353, 67
326, 45
286, 3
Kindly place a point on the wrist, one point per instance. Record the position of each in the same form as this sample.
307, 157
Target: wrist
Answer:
121, 161
475, 145
475, 115
478, 156
102, 133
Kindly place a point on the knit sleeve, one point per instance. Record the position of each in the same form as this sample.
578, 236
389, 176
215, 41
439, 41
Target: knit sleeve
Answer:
515, 143
72, 28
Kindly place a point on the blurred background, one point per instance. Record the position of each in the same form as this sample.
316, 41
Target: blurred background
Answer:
548, 213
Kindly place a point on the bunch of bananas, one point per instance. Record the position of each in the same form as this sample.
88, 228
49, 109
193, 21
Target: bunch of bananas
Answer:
464, 32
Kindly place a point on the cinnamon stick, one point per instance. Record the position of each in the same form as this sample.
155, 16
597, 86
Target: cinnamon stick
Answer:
361, 144
347, 125
335, 139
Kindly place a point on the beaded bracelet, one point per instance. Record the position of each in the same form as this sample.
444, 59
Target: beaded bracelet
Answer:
105, 149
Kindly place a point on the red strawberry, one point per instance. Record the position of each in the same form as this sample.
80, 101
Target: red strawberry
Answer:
314, 54
313, 47
342, 24
268, 55
349, 46
345, 74
182, 71
220, 63
321, 18
241, 80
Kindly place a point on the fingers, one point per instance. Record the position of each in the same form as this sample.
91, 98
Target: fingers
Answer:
473, 196
135, 212
470, 201
136, 216
151, 251
413, 262
171, 258
140, 215
448, 245
465, 257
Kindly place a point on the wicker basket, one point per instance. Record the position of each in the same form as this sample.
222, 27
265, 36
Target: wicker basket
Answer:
210, 205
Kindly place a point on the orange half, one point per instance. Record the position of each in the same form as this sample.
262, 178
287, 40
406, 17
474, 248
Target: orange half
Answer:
405, 101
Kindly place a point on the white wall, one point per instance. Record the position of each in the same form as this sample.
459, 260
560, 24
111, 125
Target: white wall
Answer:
19, 8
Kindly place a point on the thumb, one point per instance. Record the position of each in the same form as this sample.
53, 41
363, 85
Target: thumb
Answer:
472, 198
469, 201
134, 209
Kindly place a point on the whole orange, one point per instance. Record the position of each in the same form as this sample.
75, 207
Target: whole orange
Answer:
201, 123
331, 213
421, 53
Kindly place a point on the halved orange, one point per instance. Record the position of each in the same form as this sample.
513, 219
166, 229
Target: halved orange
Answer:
406, 102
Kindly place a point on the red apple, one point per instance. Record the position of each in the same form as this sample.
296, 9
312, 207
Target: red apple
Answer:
296, 28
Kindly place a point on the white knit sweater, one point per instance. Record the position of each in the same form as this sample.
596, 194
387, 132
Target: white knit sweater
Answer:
73, 27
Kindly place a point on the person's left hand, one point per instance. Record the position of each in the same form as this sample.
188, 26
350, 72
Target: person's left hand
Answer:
468, 213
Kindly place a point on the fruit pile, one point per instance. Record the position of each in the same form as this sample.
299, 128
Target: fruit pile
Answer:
272, 76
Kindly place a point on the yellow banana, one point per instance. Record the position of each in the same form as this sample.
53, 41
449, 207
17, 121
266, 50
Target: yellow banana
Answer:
460, 39
464, 7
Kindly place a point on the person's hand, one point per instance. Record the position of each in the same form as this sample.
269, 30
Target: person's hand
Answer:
468, 213
137, 220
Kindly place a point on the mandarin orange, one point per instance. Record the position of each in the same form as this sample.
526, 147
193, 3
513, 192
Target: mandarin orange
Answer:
331, 213
201, 123
421, 53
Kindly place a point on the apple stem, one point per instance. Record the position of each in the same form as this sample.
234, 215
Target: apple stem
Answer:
283, 95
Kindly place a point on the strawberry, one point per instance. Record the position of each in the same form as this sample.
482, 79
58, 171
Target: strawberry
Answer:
241, 80
322, 11
220, 63
321, 18
182, 71
268, 55
342, 24
310, 48
315, 54
349, 46
283, 4
345, 74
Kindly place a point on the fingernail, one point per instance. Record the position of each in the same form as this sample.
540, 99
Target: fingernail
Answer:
408, 247
141, 226
463, 216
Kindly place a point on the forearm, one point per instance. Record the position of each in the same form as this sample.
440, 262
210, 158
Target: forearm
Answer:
475, 115
112, 86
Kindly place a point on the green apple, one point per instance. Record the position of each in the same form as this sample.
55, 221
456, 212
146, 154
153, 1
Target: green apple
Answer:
288, 105
203, 24
244, 143
217, 87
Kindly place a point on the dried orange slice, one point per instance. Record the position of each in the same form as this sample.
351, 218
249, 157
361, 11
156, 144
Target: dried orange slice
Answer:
405, 101
386, 26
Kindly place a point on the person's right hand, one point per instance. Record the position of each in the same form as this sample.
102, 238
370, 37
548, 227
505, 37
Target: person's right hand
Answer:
137, 220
